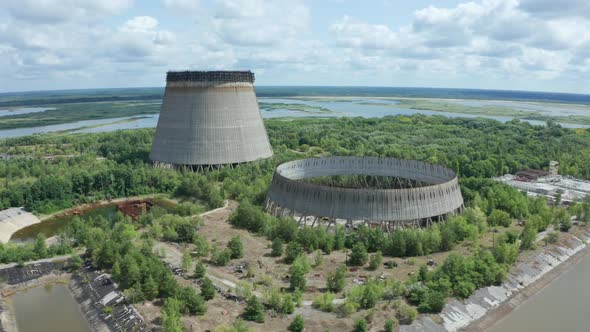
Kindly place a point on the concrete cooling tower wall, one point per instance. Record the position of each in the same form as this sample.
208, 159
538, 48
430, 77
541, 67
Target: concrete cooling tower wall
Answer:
439, 198
209, 118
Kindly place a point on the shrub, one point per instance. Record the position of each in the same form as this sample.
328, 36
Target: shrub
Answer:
406, 314
324, 302
552, 237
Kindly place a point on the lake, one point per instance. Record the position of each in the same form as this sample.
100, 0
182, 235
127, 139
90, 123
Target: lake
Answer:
561, 306
50, 308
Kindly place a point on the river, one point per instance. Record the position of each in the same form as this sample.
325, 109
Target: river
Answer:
363, 106
561, 306
50, 308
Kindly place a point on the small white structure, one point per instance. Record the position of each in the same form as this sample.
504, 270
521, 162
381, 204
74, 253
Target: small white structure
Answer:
14, 219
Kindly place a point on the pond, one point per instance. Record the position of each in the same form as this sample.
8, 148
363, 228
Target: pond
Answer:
50, 308
56, 224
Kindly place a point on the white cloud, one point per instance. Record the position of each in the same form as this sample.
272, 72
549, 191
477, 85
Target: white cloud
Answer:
499, 37
141, 24
53, 11
556, 8
186, 6
350, 32
259, 22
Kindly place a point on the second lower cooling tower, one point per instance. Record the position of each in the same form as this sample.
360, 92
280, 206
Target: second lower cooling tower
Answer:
210, 118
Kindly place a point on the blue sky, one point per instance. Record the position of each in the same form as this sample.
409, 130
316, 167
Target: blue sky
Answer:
541, 45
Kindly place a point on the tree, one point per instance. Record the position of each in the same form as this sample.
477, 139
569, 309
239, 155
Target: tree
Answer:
390, 324
236, 247
288, 306
336, 280
200, 270
294, 250
221, 258
171, 315
277, 247
358, 256
318, 258
297, 272
375, 260
360, 325
254, 310
150, 288
406, 314
563, 219
75, 262
297, 325
39, 247
187, 261
499, 218
528, 236
207, 289
201, 246
192, 302
238, 326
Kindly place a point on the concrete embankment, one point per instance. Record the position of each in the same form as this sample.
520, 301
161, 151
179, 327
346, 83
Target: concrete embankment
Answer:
488, 305
14, 219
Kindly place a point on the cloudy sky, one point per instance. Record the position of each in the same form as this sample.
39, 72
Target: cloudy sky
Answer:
541, 45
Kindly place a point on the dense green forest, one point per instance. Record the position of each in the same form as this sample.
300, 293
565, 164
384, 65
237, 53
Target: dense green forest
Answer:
50, 172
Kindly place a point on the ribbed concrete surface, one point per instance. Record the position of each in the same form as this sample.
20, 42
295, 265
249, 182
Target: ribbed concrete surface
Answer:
443, 196
210, 124
14, 219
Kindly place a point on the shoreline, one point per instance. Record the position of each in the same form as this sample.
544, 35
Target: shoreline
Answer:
498, 314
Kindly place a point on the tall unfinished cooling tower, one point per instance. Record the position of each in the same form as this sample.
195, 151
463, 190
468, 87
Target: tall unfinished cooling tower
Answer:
209, 118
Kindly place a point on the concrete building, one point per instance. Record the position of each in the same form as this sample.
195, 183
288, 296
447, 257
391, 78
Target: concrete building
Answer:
209, 119
435, 198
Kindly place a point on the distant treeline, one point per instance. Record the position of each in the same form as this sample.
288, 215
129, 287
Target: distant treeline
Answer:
98, 95
73, 100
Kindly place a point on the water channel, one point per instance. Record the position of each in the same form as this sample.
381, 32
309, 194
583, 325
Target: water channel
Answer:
561, 306
50, 308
